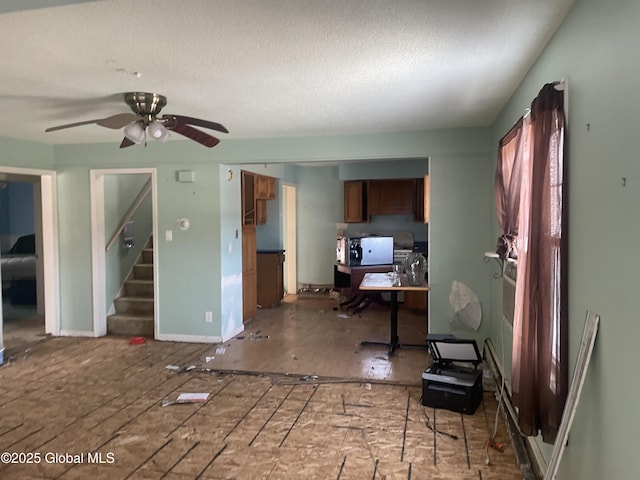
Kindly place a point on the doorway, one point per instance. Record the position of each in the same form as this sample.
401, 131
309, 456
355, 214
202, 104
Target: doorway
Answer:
289, 236
38, 285
107, 232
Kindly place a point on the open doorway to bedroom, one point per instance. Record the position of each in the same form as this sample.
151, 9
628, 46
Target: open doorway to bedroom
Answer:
21, 318
29, 259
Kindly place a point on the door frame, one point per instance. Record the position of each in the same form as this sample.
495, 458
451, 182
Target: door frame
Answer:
289, 234
98, 242
47, 215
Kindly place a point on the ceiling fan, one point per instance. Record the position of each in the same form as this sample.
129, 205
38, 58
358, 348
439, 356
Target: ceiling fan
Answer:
145, 120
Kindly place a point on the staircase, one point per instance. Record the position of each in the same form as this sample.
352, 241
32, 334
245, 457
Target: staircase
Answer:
134, 308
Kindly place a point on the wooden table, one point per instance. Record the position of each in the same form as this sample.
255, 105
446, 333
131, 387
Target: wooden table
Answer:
389, 282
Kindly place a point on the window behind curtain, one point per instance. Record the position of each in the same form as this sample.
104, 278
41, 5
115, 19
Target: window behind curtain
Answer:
530, 202
512, 150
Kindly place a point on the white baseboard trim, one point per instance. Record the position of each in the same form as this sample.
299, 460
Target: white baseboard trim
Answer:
77, 333
163, 337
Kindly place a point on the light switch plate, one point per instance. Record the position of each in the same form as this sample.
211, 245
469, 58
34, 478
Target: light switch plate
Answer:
168, 235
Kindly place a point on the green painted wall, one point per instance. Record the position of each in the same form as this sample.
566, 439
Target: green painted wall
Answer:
319, 205
596, 49
189, 266
459, 234
23, 154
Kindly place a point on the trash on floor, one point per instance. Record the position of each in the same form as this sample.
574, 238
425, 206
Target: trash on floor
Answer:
208, 359
220, 350
186, 398
180, 369
137, 341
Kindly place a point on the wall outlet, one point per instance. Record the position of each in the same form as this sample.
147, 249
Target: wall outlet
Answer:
208, 317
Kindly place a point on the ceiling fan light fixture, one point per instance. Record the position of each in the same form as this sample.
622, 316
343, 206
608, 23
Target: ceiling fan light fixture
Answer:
158, 131
146, 108
134, 131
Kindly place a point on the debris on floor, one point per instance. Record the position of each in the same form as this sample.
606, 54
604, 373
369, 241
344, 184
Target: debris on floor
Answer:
186, 398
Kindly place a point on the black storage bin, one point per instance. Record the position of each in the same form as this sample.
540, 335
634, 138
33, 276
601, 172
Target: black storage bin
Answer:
446, 383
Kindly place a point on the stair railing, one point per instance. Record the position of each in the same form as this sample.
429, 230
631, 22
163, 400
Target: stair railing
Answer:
130, 213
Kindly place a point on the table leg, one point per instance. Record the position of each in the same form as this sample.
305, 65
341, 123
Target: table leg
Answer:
394, 340
394, 321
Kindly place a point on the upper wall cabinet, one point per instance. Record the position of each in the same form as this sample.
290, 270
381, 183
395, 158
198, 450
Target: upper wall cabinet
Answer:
256, 190
355, 201
391, 197
265, 187
363, 198
248, 198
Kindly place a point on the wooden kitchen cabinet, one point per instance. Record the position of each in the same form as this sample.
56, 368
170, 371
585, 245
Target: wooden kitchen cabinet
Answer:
256, 190
261, 212
416, 301
391, 197
270, 277
249, 273
248, 198
409, 196
421, 200
265, 187
355, 201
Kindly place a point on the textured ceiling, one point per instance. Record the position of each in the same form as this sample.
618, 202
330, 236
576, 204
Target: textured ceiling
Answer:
268, 68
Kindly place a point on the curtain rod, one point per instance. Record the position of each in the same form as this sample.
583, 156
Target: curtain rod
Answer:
559, 85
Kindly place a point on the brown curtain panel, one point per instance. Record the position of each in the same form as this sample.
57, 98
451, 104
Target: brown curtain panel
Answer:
539, 364
512, 149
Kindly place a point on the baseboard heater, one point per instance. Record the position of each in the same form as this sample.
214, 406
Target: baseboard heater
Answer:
528, 455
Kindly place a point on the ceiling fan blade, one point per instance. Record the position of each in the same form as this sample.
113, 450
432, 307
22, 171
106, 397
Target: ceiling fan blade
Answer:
181, 119
116, 121
126, 143
195, 134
